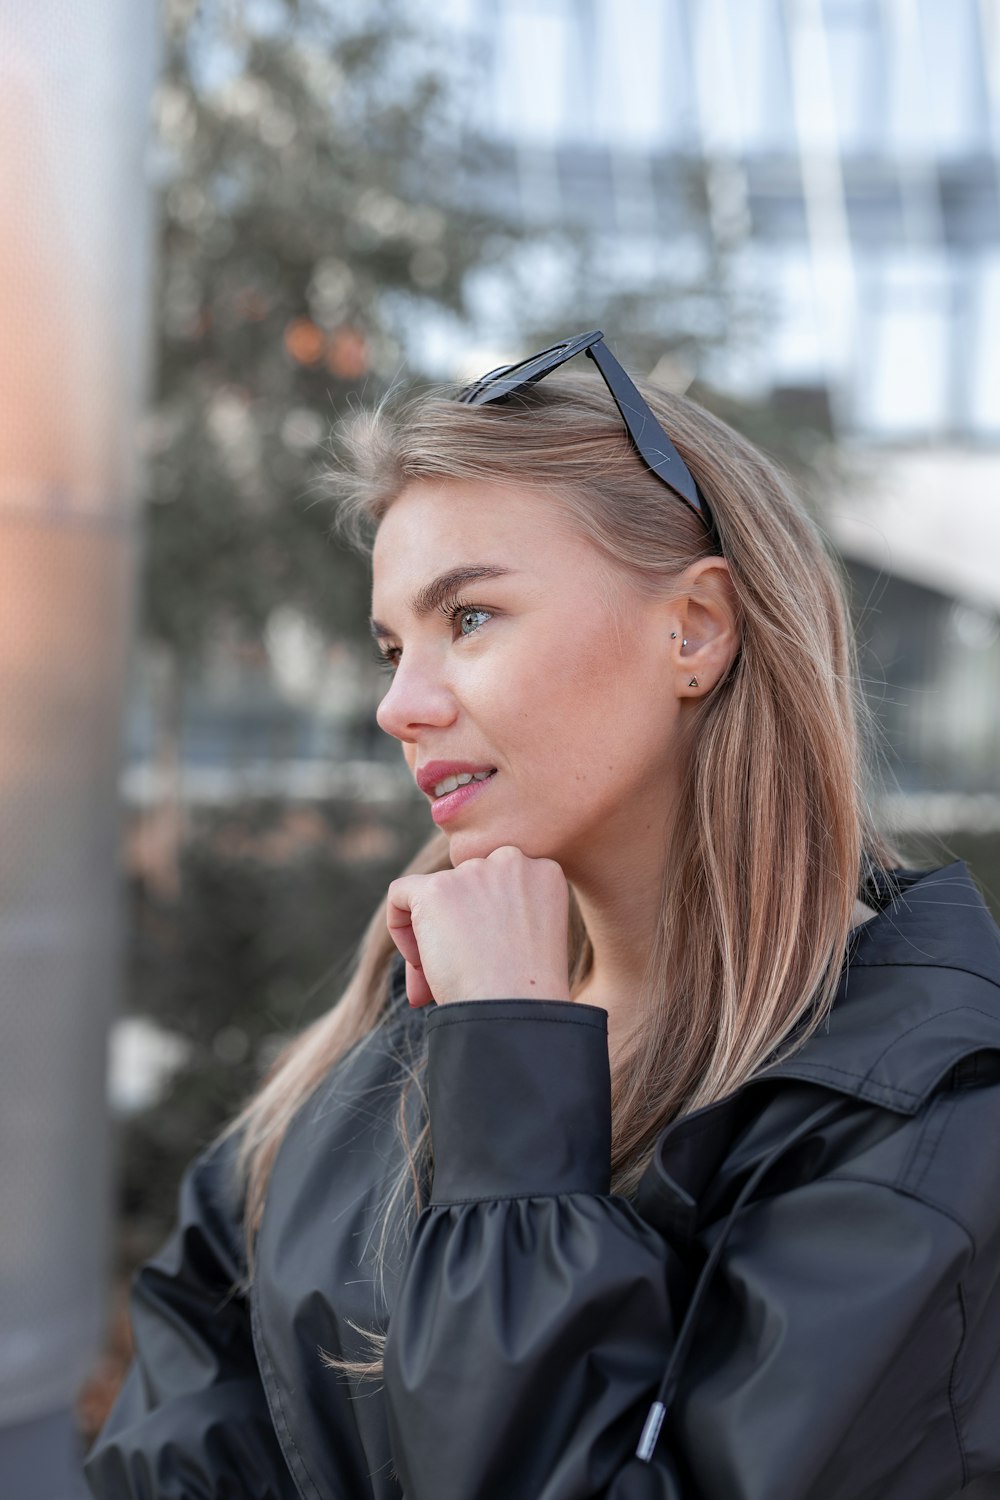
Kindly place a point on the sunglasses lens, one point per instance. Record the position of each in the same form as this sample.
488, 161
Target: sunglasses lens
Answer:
507, 378
483, 383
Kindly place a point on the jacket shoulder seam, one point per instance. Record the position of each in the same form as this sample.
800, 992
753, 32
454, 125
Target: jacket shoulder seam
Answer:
819, 1067
924, 1199
928, 1021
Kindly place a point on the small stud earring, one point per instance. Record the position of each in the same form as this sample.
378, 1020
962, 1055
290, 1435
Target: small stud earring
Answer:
673, 635
684, 641
693, 682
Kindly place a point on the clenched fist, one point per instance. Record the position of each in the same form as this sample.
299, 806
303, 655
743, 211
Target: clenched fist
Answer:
490, 929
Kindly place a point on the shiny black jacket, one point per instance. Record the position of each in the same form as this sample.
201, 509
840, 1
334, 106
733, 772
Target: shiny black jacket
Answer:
802, 1300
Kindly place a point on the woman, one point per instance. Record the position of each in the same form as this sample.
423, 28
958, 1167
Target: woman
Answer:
651, 1149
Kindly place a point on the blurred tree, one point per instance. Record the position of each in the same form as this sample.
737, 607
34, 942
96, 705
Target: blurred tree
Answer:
307, 153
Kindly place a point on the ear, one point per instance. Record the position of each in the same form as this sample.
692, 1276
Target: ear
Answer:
704, 632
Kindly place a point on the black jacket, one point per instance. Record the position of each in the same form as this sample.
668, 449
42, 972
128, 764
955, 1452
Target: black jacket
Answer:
807, 1280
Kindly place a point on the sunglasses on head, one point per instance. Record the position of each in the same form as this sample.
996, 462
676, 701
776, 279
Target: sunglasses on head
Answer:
651, 442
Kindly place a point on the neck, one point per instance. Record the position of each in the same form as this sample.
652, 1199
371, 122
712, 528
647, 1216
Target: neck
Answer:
617, 883
619, 912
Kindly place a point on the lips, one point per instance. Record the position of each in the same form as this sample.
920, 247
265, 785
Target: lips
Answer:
451, 804
429, 775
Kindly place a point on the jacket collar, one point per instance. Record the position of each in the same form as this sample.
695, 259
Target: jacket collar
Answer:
919, 992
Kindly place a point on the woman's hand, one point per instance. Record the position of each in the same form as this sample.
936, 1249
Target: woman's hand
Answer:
493, 928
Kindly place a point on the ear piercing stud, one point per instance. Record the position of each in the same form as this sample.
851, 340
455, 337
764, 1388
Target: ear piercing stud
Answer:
692, 681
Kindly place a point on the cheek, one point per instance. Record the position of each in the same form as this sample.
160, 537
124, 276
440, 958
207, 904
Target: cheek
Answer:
568, 700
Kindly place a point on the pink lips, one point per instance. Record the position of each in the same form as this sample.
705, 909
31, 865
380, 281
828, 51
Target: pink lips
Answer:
428, 776
447, 806
434, 771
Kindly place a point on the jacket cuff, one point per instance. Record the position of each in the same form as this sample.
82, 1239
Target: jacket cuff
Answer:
519, 1097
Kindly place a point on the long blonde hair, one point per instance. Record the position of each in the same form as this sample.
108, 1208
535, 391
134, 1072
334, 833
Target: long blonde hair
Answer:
778, 838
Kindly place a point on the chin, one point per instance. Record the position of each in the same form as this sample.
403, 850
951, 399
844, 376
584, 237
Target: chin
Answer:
469, 844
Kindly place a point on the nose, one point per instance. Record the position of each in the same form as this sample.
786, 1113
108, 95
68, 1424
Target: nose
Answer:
414, 698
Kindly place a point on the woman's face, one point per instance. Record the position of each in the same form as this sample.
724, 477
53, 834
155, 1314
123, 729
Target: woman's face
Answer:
531, 676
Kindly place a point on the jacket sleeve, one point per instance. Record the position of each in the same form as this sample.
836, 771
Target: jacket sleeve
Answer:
191, 1421
535, 1318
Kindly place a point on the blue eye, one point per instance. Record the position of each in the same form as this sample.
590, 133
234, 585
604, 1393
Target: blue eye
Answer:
456, 610
388, 656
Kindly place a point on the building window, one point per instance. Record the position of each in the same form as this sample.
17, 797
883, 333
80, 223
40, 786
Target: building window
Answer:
904, 348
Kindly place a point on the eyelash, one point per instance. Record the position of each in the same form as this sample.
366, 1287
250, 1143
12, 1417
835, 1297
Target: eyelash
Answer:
451, 610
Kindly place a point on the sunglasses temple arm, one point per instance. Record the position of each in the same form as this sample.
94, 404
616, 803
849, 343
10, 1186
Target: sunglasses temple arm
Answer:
663, 459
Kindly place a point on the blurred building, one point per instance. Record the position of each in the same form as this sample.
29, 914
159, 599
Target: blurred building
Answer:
851, 150
850, 156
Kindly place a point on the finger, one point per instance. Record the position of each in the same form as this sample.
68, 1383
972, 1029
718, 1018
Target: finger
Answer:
418, 991
398, 921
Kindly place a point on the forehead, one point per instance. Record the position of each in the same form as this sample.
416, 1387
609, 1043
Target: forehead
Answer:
438, 525
435, 538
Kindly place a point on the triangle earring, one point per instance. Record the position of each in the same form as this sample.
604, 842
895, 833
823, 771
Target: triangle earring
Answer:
693, 682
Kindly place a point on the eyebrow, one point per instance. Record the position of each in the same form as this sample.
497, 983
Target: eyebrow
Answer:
427, 599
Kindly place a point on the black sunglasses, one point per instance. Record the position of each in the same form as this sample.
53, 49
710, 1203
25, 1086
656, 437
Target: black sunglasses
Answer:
652, 444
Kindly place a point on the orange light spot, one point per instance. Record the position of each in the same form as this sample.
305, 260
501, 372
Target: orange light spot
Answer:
304, 341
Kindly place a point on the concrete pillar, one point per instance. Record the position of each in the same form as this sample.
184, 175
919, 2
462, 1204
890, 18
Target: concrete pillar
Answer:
75, 286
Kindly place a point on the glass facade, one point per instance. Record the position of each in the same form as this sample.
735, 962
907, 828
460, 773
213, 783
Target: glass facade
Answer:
860, 140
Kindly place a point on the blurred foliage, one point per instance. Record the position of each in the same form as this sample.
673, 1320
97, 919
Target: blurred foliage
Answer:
308, 210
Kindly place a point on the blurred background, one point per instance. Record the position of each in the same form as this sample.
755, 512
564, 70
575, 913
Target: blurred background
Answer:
224, 223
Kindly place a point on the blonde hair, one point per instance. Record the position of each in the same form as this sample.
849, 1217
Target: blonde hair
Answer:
778, 840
